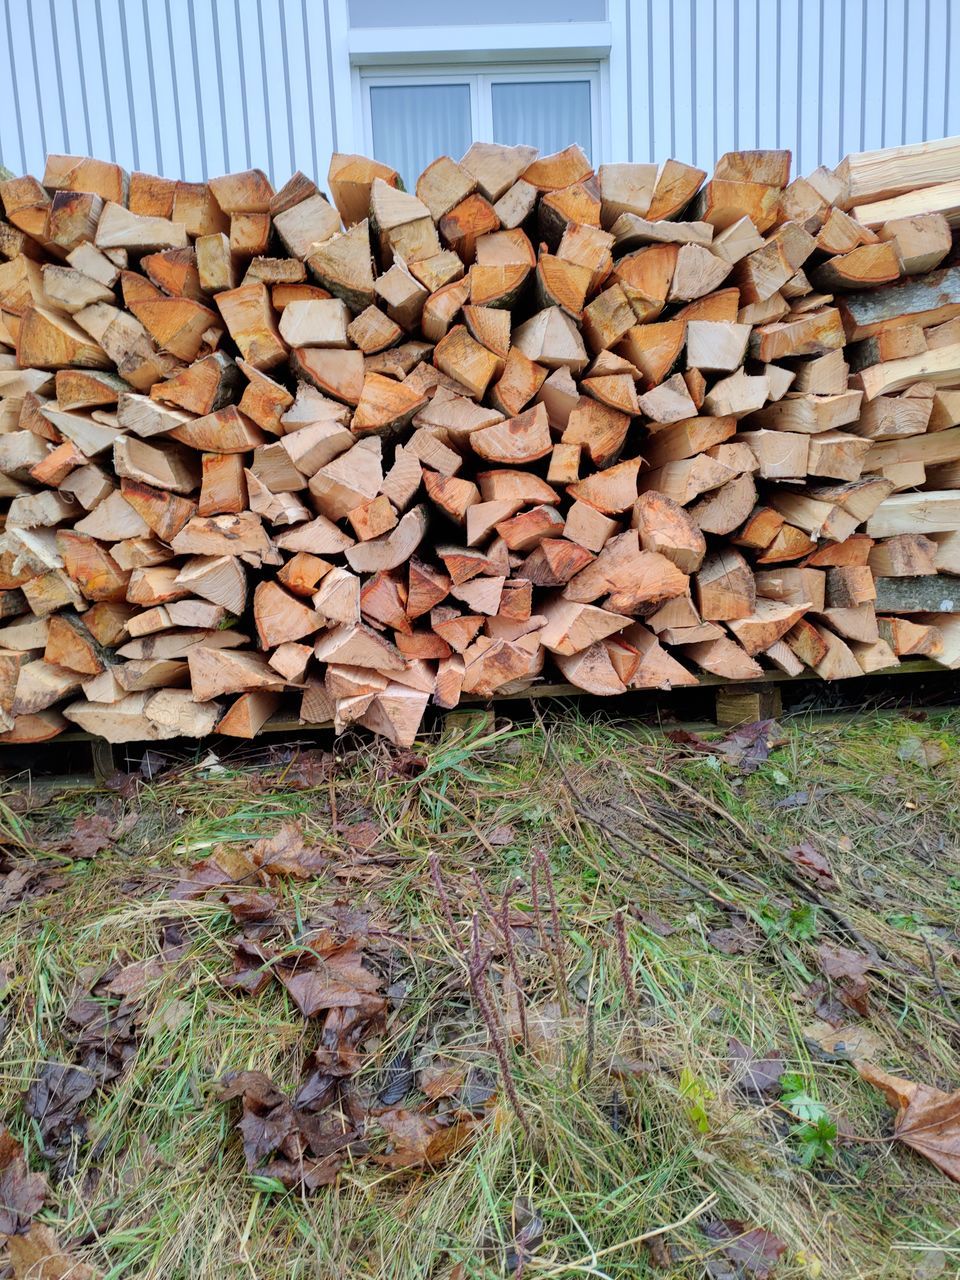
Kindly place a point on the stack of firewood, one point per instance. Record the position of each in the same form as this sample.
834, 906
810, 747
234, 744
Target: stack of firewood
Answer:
531, 422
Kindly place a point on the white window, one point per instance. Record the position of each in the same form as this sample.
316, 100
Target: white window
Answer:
411, 116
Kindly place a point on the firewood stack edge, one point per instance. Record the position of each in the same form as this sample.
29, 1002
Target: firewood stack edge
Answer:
531, 422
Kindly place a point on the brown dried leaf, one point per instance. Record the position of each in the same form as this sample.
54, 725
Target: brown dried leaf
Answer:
89, 836
848, 969
133, 978
418, 1141
757, 1077
227, 864
360, 835
37, 1255
336, 979
848, 1041
734, 939
754, 1251
928, 1120
744, 747
812, 864
285, 854
55, 1100
438, 1081
22, 1193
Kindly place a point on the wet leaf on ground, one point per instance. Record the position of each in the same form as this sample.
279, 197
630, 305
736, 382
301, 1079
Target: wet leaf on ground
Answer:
756, 1077
811, 863
928, 1120
752, 1251
55, 1101
22, 1193
848, 970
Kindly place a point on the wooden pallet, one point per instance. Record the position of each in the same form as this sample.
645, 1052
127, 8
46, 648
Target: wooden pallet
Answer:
735, 702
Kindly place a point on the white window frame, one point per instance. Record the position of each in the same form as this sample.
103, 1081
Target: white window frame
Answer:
481, 79
354, 52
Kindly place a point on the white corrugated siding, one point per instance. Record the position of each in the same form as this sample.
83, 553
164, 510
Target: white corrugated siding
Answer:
185, 88
189, 88
822, 77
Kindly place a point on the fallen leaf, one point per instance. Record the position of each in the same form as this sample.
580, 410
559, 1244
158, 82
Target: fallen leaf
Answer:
252, 967
55, 1100
735, 939
654, 922
501, 836
37, 1255
846, 1042
398, 1080
928, 1120
796, 800
88, 836
335, 979
926, 754
437, 1081
757, 1077
227, 865
309, 769
22, 1193
848, 969
513, 1245
812, 864
286, 855
170, 1017
249, 904
753, 1250
133, 978
418, 1141
360, 835
286, 1141
745, 747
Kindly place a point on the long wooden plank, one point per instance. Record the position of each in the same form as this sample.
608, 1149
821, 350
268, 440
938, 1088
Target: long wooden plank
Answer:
937, 512
874, 175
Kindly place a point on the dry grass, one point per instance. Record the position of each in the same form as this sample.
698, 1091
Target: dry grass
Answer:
159, 1186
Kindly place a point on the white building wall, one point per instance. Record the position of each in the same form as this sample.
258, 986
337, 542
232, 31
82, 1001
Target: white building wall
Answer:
189, 88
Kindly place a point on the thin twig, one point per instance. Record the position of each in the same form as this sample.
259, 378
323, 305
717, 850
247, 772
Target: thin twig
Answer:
540, 861
941, 990
477, 967
434, 864
508, 891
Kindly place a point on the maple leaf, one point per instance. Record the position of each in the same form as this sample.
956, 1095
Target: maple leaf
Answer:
928, 1120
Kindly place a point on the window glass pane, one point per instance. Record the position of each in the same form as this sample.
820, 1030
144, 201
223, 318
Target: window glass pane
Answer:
549, 114
414, 124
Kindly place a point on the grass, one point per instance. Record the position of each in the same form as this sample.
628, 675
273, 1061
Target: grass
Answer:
635, 1118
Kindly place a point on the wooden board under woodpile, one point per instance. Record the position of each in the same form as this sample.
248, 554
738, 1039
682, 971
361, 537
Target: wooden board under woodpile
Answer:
375, 449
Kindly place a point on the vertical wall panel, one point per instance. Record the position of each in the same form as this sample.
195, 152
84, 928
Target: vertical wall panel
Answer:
193, 87
181, 87
822, 77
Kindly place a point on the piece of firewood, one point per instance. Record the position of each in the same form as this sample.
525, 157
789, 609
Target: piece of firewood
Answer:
725, 587
248, 315
921, 241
